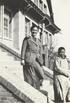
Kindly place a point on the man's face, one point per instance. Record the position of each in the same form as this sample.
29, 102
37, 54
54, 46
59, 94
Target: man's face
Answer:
34, 31
62, 53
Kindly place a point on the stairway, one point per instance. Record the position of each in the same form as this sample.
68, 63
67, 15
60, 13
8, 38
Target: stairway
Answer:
14, 67
11, 76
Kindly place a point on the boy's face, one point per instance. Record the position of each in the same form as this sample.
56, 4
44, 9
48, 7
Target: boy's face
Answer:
62, 53
34, 31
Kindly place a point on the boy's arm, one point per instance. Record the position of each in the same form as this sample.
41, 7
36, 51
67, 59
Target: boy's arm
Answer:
40, 51
23, 49
61, 70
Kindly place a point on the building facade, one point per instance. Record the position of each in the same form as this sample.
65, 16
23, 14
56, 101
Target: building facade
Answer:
16, 18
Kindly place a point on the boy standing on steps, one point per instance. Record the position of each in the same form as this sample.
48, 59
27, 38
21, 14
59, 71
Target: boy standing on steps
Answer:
31, 54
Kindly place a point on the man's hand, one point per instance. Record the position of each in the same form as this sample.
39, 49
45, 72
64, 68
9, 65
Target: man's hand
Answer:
22, 62
41, 81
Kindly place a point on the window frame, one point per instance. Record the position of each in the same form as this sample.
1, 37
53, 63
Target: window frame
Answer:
6, 27
7, 15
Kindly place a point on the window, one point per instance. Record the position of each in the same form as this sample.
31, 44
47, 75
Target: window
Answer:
1, 19
27, 27
6, 27
7, 24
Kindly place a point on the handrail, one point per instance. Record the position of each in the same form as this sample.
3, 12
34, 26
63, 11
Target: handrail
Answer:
13, 52
47, 71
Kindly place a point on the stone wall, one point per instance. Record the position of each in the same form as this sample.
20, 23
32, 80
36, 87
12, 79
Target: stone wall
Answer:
7, 97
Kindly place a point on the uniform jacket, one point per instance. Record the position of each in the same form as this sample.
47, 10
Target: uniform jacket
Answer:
31, 50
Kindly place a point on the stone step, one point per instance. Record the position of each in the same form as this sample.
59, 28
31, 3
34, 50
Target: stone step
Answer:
49, 88
51, 93
30, 92
14, 67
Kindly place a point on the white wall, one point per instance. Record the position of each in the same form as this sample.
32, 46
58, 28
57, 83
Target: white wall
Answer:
16, 31
21, 29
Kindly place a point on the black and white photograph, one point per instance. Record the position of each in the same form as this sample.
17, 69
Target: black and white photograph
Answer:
34, 51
